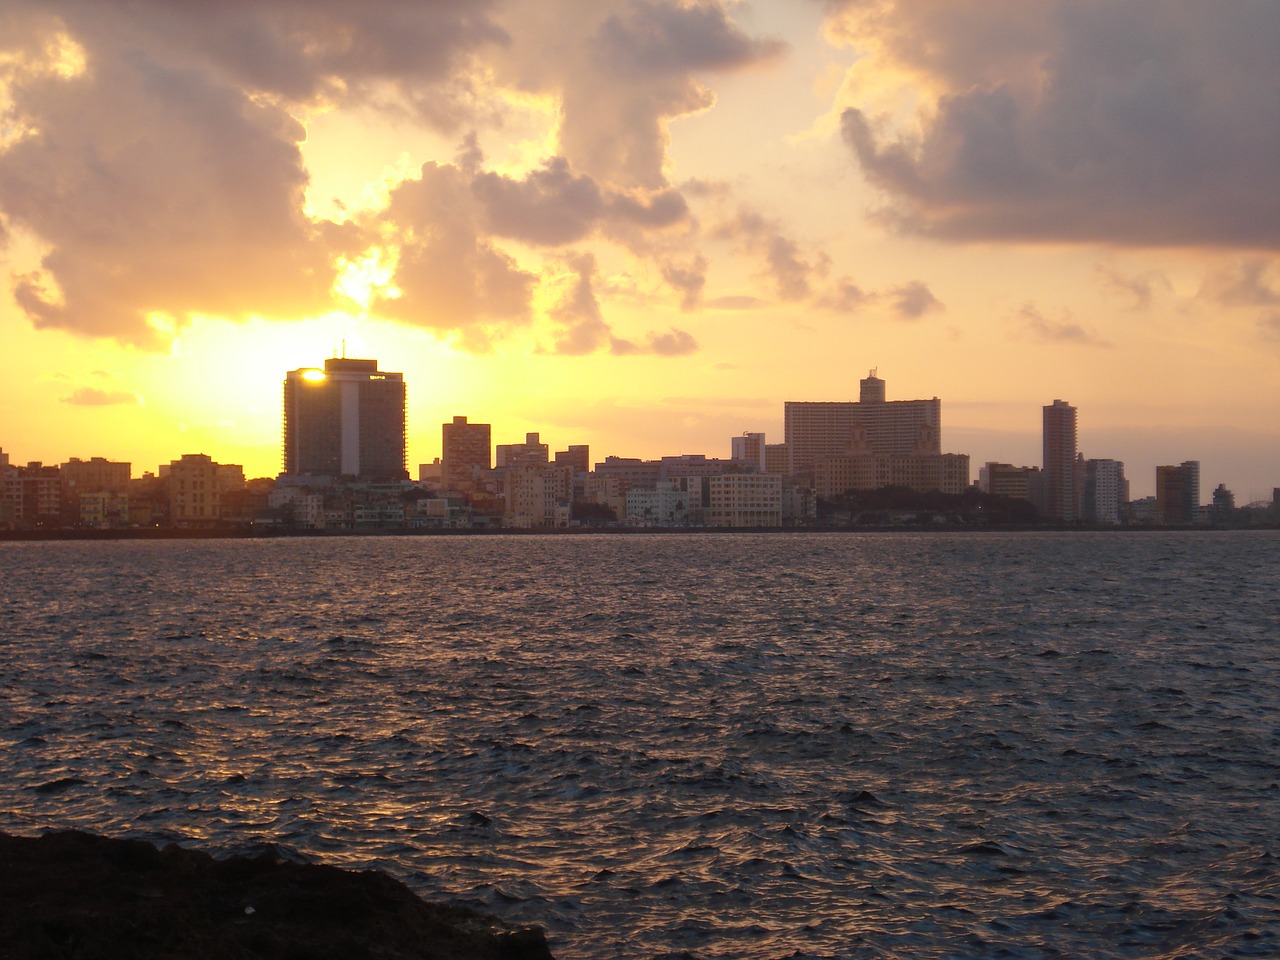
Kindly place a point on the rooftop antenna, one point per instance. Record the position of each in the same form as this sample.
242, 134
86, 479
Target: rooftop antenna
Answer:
344, 348
873, 372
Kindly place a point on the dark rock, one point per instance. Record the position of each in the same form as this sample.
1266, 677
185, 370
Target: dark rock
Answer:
74, 896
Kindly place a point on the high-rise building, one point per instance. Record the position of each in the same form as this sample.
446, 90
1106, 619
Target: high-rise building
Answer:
466, 454
346, 420
880, 427
1060, 462
1178, 492
1106, 491
749, 449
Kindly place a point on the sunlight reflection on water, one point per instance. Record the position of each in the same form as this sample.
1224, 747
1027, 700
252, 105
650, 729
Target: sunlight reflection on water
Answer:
733, 746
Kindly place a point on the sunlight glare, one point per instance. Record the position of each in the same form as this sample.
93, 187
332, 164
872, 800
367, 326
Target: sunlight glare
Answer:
369, 277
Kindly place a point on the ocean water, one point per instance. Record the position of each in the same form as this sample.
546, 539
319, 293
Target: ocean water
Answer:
810, 746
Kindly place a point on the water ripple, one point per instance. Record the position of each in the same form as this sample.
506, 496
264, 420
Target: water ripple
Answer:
697, 746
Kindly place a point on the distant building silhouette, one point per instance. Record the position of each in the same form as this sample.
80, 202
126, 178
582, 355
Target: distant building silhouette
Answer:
873, 443
466, 454
1178, 492
1106, 491
1061, 500
749, 449
815, 430
346, 420
533, 450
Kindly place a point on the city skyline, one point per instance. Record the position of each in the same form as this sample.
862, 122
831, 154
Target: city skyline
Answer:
331, 436
653, 238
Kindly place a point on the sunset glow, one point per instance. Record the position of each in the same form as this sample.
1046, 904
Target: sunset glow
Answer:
643, 225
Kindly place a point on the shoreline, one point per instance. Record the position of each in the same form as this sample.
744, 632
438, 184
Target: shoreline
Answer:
70, 893
243, 533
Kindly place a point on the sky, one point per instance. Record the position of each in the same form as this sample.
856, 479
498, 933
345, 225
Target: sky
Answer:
643, 225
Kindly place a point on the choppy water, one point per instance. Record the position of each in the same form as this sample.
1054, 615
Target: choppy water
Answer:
708, 746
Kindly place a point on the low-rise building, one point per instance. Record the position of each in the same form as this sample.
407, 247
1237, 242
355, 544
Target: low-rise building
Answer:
922, 472
744, 500
538, 494
196, 486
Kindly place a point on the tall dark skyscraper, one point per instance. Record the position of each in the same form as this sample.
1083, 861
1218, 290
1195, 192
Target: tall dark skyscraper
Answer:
346, 420
1060, 461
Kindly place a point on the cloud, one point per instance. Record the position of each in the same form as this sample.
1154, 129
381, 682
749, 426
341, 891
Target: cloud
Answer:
93, 397
1248, 283
845, 297
1035, 325
673, 343
736, 302
1140, 288
157, 160
553, 206
764, 237
550, 206
1142, 123
449, 275
912, 300
152, 186
583, 328
624, 69
689, 279
1269, 327
158, 157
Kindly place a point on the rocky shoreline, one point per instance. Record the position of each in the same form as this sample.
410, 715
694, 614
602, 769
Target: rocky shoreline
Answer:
76, 896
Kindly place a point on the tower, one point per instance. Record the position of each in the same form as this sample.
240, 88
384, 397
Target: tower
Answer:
346, 420
1060, 461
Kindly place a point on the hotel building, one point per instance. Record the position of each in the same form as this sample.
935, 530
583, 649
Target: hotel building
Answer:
889, 427
346, 420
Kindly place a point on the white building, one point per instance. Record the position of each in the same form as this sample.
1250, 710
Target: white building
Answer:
749, 449
538, 494
745, 500
1106, 491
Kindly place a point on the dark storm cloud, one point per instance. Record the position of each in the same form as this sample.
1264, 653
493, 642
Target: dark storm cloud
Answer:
1131, 122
